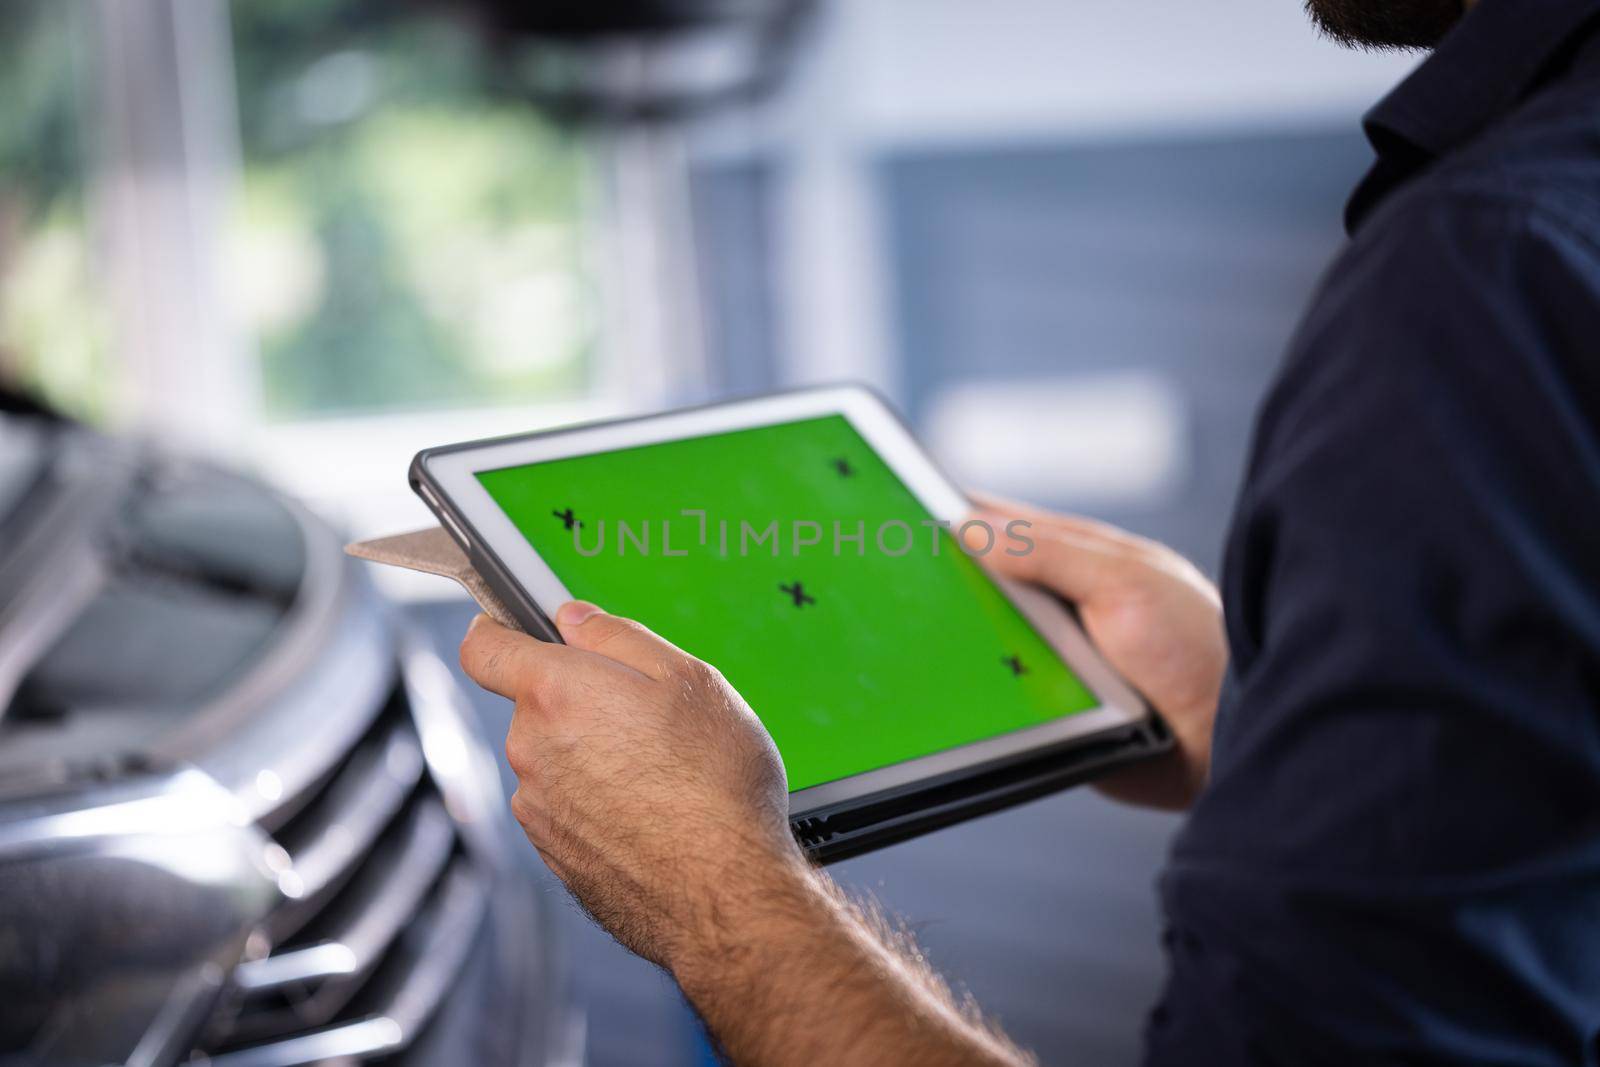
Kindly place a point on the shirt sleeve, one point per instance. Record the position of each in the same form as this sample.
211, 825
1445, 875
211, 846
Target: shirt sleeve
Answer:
1398, 856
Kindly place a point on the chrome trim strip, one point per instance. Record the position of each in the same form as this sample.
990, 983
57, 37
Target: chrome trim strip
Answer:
463, 904
363, 801
185, 803
459, 763
354, 950
312, 963
357, 1040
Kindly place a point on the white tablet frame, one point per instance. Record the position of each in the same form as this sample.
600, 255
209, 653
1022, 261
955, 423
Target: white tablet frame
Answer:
452, 472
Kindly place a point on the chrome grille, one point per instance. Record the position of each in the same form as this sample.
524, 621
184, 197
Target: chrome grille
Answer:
384, 897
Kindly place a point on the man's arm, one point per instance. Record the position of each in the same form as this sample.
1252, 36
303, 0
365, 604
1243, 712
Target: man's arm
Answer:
785, 970
788, 970
617, 726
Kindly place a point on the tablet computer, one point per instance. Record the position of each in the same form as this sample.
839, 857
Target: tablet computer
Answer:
806, 546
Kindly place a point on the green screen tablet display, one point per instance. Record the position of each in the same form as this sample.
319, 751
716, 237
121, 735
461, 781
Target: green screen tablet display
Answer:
794, 559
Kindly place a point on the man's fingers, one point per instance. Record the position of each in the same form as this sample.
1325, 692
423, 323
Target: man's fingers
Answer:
1078, 564
585, 626
502, 660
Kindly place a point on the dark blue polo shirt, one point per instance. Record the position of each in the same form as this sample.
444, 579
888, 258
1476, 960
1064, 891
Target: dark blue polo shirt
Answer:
1397, 859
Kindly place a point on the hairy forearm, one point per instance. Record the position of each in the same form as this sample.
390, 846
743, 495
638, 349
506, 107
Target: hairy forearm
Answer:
787, 972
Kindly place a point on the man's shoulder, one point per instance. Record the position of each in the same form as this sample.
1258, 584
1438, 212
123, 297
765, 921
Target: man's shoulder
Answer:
1534, 174
1465, 283
1485, 229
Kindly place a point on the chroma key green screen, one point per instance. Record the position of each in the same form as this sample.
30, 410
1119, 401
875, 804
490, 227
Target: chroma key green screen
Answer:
853, 658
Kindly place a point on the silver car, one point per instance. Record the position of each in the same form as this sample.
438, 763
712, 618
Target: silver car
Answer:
245, 817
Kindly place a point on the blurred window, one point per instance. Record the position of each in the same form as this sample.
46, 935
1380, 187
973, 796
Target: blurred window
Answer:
407, 235
400, 230
52, 325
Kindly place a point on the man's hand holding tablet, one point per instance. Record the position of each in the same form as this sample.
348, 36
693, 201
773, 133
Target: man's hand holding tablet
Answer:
618, 726
612, 728
1154, 617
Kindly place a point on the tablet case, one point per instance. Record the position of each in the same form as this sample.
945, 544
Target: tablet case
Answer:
853, 827
434, 551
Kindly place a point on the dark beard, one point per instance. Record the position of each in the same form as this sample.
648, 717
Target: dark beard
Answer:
1385, 24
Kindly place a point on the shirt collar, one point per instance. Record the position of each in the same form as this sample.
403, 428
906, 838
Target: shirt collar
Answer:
1485, 65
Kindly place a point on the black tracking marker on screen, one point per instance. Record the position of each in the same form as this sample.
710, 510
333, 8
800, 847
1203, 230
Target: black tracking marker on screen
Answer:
1016, 665
568, 519
798, 593
842, 465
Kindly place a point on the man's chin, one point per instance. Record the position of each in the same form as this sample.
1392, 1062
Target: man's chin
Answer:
1385, 24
